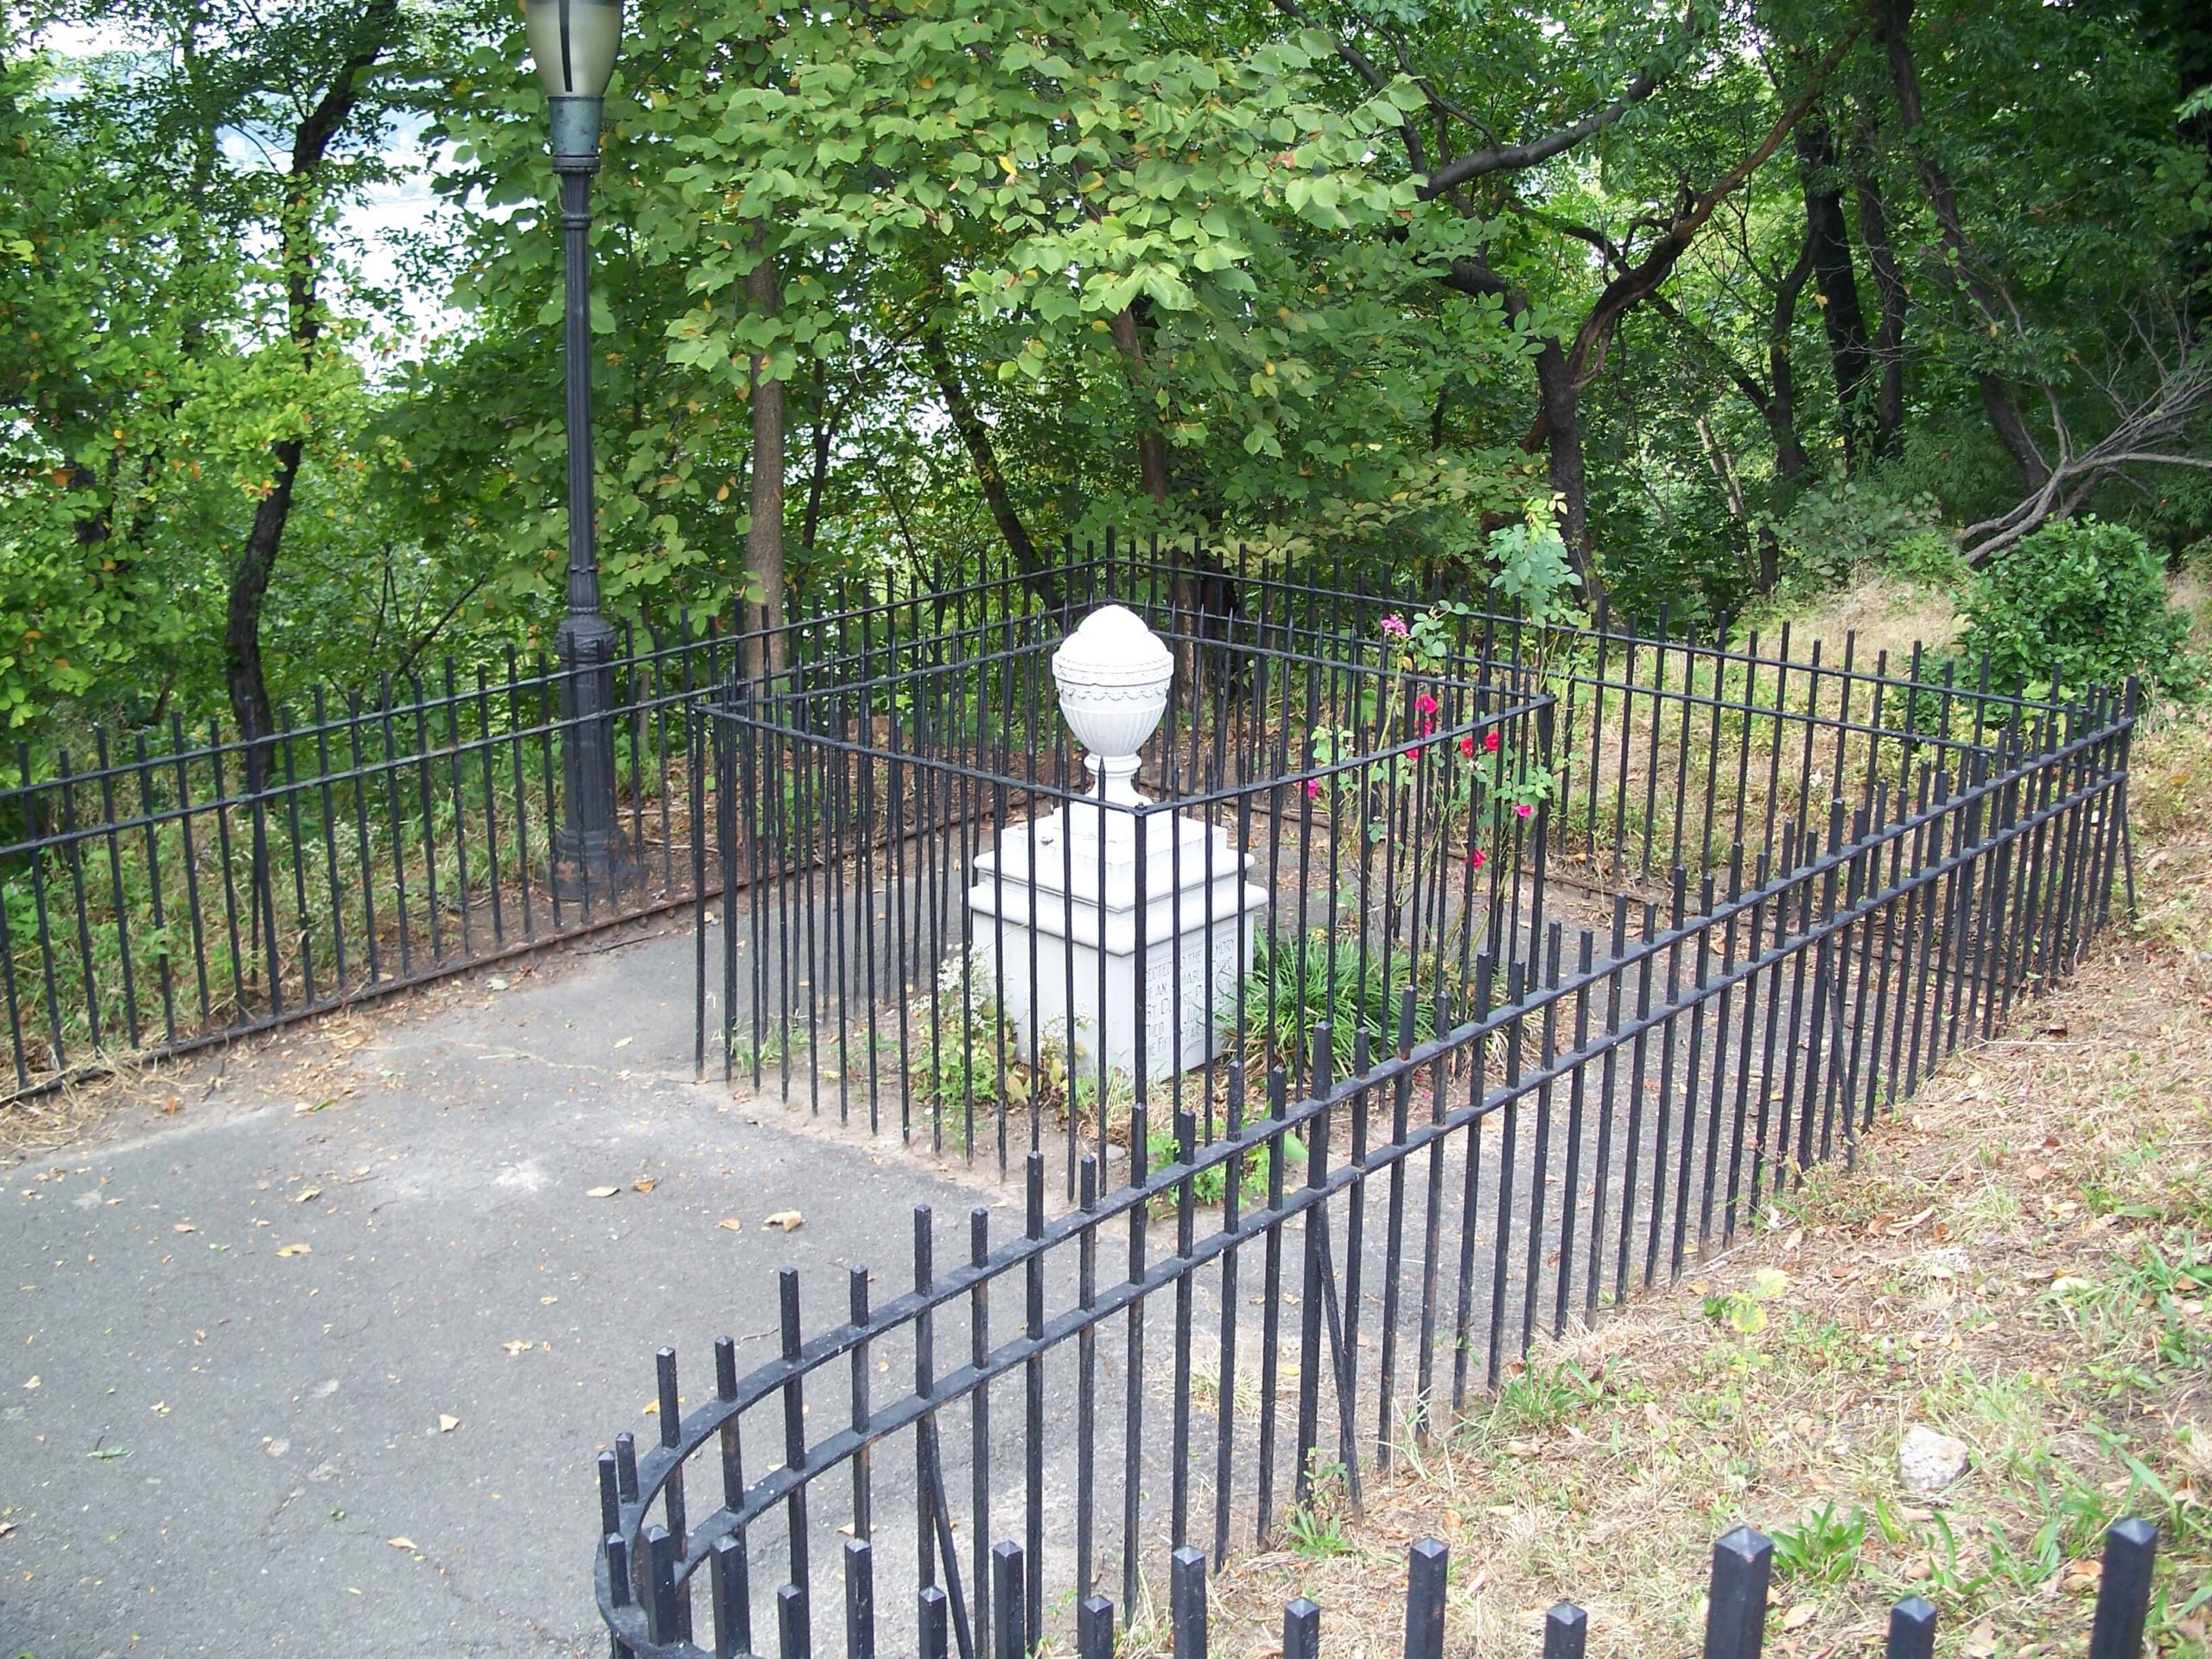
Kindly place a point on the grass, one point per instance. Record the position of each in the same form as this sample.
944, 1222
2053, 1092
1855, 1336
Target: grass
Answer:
2023, 1259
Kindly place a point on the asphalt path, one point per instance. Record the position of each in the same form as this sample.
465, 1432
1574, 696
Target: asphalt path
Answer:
318, 1361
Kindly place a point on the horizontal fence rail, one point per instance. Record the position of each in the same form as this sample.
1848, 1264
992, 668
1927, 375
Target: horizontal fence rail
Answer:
1243, 1286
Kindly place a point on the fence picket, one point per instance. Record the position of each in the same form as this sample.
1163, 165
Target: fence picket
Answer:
1735, 1620
1912, 1630
2124, 1589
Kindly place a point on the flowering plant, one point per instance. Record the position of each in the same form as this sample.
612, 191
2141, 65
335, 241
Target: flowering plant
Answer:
1490, 786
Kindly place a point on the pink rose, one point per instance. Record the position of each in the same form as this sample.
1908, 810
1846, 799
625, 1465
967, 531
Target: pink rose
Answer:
1425, 704
1467, 746
1393, 626
1312, 787
1476, 859
1523, 810
1490, 742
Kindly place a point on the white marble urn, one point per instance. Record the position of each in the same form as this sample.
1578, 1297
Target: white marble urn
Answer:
1114, 674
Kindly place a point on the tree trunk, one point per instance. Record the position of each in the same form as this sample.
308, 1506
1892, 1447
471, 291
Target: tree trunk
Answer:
1562, 419
1887, 433
1780, 408
1827, 239
818, 479
976, 437
1996, 397
764, 534
1152, 444
1557, 426
1186, 602
250, 576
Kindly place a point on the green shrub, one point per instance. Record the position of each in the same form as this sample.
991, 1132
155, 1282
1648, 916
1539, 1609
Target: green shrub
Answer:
1833, 531
2083, 602
1927, 558
1296, 983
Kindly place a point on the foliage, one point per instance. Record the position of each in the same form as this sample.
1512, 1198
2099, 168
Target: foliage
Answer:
1286, 281
1211, 1185
2083, 604
1823, 1548
1831, 534
1298, 981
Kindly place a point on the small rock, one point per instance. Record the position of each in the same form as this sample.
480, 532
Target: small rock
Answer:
1928, 1461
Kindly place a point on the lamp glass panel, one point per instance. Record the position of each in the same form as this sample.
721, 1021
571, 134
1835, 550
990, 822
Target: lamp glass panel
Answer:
594, 38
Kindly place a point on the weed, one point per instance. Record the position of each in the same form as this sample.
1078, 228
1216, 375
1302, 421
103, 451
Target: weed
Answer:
1543, 1397
1823, 1548
1210, 1185
1316, 1527
1743, 1311
768, 1052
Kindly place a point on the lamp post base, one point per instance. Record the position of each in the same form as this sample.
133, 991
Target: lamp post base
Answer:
589, 868
588, 853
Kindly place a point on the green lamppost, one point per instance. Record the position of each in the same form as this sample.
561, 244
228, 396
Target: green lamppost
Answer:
574, 44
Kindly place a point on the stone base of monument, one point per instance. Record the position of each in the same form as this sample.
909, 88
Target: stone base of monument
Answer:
1138, 962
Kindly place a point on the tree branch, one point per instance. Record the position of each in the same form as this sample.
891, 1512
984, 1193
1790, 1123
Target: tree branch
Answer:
1633, 286
1505, 158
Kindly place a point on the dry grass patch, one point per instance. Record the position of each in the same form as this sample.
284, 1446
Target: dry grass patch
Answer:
1884, 614
2022, 1260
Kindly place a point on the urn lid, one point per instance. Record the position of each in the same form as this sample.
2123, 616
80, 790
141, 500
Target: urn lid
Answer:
1113, 648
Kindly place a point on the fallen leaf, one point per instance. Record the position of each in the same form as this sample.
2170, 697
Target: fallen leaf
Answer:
161, 1408
1981, 1640
547, 1302
301, 1109
644, 1183
496, 982
32, 1384
172, 1106
602, 1192
448, 1422
184, 1227
789, 1220
109, 1453
310, 1194
295, 1250
6, 1527
732, 1224
624, 1042
522, 1346
1798, 1617
404, 1543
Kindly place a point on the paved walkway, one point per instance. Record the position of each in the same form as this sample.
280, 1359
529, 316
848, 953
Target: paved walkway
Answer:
318, 1363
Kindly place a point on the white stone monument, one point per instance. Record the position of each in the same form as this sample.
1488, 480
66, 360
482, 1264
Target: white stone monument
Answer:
1062, 900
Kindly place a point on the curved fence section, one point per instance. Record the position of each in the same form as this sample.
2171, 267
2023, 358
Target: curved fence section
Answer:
1735, 1607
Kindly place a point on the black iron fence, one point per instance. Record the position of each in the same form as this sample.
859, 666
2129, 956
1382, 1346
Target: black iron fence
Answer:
153, 898
1379, 770
1735, 1609
1752, 900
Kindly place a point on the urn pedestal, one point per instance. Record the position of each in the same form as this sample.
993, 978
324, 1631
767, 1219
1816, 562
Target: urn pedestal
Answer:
1116, 933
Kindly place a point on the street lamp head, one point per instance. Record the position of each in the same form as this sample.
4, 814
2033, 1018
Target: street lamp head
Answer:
574, 44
